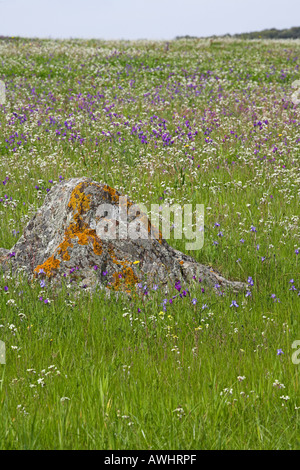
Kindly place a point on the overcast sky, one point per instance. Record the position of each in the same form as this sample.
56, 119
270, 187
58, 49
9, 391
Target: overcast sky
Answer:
143, 19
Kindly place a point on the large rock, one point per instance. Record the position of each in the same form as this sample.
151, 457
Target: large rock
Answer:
62, 240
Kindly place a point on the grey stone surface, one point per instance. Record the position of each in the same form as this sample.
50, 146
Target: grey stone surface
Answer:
62, 239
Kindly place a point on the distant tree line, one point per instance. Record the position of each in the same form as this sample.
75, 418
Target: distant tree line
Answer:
291, 33
273, 33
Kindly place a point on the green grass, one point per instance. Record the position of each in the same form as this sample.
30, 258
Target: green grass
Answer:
90, 372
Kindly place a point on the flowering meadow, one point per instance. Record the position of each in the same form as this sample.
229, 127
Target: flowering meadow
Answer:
188, 122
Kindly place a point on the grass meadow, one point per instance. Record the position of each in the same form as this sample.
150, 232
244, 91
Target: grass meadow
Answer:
211, 122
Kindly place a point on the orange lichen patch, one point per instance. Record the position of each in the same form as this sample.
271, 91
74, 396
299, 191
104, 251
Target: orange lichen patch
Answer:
66, 256
128, 279
181, 262
84, 235
125, 264
125, 279
63, 248
79, 202
48, 266
65, 245
97, 246
112, 255
112, 192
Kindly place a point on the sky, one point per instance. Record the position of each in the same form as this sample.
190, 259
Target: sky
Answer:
143, 19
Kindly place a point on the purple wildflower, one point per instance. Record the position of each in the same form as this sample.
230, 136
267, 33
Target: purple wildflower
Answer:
178, 286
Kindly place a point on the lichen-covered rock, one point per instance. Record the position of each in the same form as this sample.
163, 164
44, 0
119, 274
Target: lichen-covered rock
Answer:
62, 239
